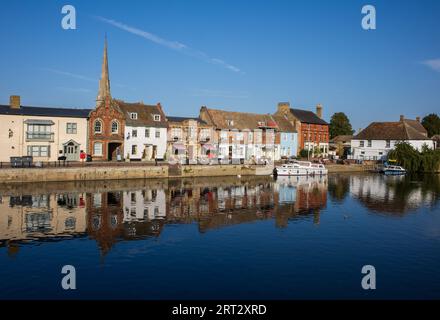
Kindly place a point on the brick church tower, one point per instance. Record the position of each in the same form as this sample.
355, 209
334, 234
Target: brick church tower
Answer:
106, 121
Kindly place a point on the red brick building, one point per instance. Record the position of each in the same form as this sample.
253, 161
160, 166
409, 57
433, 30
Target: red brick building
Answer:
106, 121
313, 131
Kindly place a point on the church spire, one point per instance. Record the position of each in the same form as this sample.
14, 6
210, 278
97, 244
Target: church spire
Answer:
104, 82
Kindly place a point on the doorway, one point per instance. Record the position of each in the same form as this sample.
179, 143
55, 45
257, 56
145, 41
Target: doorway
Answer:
114, 149
71, 150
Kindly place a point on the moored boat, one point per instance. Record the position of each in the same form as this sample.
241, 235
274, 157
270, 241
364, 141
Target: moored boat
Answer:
301, 168
393, 170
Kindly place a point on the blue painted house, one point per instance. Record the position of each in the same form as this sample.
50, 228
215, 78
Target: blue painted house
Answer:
288, 137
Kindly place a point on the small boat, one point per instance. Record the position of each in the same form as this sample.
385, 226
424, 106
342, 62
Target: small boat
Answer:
393, 170
300, 168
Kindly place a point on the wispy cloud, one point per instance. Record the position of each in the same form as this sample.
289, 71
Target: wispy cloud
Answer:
209, 93
434, 64
173, 45
81, 77
69, 74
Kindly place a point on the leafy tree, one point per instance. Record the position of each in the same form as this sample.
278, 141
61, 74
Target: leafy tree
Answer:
432, 124
340, 125
428, 160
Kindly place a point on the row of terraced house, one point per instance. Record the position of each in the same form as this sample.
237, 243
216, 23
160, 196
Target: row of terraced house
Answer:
117, 130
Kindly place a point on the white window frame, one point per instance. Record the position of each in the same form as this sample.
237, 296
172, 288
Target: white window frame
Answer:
133, 115
71, 128
101, 126
100, 153
117, 126
156, 117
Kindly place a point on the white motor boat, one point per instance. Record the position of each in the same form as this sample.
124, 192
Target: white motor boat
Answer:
301, 168
393, 170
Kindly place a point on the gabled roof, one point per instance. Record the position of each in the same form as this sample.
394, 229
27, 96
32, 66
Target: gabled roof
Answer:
400, 130
181, 119
45, 111
306, 116
145, 114
284, 125
416, 125
240, 120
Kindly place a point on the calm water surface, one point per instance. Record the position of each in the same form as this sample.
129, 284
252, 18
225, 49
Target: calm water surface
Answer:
223, 238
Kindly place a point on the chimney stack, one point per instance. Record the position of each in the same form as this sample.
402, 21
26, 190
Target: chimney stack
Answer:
14, 102
319, 111
418, 119
283, 107
402, 118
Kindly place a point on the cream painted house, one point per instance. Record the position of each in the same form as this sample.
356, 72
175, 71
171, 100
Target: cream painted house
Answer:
40, 132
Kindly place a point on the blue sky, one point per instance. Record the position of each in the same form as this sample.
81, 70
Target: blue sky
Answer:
236, 55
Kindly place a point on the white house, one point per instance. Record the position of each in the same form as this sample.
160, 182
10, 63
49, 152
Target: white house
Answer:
41, 132
145, 132
375, 141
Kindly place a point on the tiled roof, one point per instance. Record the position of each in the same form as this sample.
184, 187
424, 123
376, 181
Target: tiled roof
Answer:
284, 125
181, 119
416, 125
240, 120
306, 116
45, 111
145, 114
400, 130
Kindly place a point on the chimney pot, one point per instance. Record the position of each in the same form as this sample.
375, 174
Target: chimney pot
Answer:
319, 111
14, 102
418, 119
402, 117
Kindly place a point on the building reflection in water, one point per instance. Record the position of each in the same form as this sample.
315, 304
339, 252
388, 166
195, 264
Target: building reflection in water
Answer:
116, 211
395, 195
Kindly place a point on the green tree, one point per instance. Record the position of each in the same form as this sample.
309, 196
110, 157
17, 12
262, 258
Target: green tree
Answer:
432, 124
340, 125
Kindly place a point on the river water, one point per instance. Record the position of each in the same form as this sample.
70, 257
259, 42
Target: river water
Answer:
223, 238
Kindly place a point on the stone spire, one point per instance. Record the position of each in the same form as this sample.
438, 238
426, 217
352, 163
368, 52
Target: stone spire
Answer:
104, 82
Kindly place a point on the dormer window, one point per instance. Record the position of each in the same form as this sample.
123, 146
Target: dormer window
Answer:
261, 123
156, 117
133, 115
230, 122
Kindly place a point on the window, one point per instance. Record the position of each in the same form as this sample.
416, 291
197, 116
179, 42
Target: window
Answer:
97, 126
369, 143
133, 115
134, 149
38, 151
250, 137
157, 133
71, 128
239, 136
388, 144
134, 133
39, 132
115, 126
230, 122
157, 117
97, 149
176, 133
191, 132
361, 143
147, 132
204, 134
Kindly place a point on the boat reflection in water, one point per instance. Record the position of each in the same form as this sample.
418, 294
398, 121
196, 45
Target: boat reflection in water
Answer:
223, 238
114, 211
